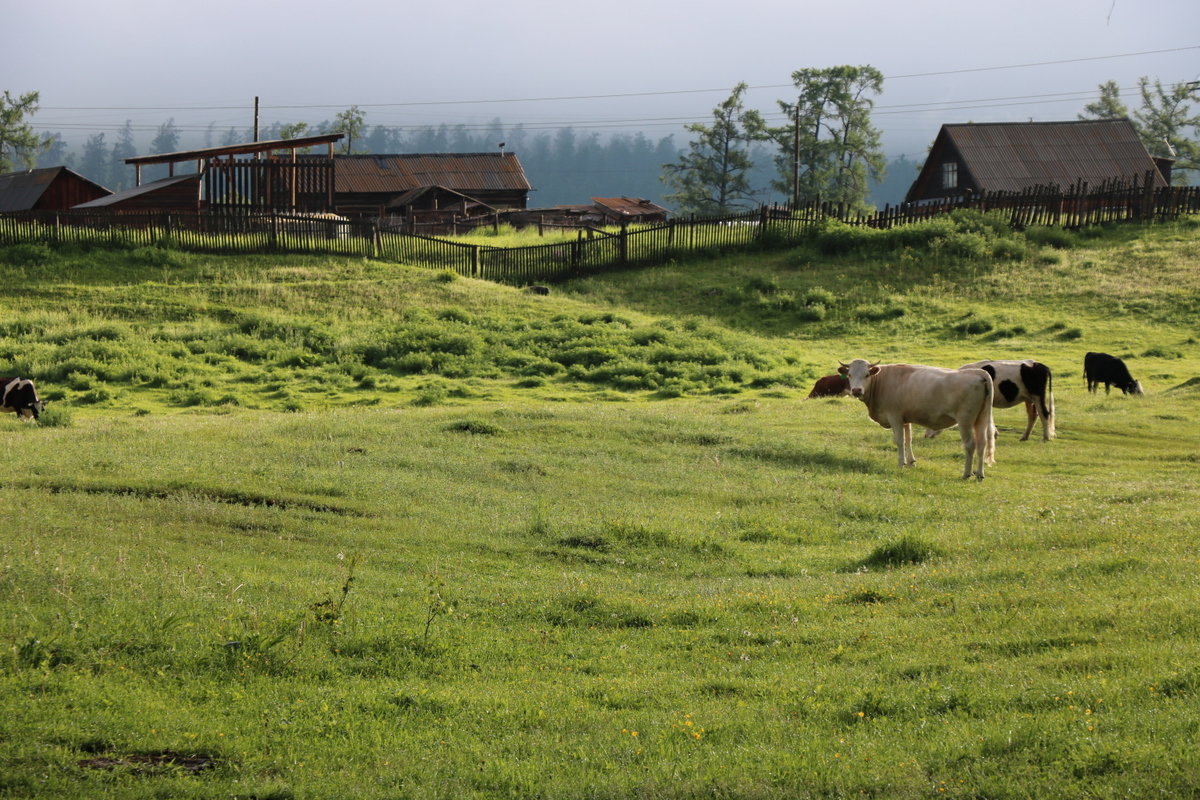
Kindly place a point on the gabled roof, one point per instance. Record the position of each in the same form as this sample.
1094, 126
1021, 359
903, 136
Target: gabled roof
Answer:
413, 195
461, 172
137, 191
20, 191
1013, 156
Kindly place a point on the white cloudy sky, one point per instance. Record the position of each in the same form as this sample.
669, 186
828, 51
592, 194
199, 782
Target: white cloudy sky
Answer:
652, 65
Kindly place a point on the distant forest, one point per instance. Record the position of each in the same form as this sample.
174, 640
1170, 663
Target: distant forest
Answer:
565, 167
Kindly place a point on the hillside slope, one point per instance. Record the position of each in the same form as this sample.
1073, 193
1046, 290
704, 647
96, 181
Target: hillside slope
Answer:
151, 330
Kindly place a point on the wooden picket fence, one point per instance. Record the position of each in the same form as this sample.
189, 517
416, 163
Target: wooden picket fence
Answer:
1075, 207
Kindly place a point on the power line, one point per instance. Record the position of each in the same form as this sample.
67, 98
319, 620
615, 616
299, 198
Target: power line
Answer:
642, 122
313, 106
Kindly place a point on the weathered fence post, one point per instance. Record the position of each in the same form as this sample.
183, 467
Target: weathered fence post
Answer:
623, 245
476, 261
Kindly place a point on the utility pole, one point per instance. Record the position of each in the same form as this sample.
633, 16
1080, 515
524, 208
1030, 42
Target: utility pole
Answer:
796, 156
256, 118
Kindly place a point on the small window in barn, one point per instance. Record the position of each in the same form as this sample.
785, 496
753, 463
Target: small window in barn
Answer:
950, 175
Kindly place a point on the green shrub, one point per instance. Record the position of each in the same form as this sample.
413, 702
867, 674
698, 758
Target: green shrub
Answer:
55, 416
817, 296
972, 326
26, 255
967, 246
1050, 236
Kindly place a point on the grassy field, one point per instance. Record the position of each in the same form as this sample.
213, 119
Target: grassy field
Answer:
315, 528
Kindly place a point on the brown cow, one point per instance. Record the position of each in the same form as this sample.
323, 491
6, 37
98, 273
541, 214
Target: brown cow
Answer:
830, 386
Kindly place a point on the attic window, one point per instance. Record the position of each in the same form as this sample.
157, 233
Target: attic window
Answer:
950, 175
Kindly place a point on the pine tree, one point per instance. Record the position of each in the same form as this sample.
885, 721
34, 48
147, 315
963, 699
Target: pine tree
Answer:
19, 145
711, 175
1108, 106
830, 148
121, 175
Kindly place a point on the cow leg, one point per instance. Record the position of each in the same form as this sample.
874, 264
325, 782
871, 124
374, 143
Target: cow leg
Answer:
1031, 415
970, 445
902, 436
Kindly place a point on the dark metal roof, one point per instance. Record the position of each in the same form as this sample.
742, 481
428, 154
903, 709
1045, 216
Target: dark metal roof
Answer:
460, 172
246, 148
137, 191
1012, 156
20, 191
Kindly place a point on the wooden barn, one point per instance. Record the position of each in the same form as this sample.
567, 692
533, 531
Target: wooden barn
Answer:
424, 184
48, 189
1016, 156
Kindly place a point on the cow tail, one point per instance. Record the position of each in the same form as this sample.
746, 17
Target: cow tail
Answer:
1048, 405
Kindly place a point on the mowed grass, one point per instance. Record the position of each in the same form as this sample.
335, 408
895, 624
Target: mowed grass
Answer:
732, 593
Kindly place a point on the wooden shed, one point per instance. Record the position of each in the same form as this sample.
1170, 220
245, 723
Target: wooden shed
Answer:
1017, 156
620, 210
178, 194
47, 189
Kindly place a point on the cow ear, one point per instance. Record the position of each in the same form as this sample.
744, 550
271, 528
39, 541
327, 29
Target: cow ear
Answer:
843, 370
873, 371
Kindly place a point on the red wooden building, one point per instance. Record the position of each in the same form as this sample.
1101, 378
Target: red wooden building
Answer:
48, 189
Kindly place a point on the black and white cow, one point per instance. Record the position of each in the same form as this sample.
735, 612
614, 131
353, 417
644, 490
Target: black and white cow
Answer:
1025, 381
898, 396
19, 395
1028, 382
1101, 368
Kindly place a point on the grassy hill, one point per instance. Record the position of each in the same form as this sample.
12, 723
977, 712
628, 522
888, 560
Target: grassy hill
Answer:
312, 528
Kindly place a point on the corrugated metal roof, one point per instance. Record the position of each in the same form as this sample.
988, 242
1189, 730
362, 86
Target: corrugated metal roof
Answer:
1012, 156
462, 172
20, 191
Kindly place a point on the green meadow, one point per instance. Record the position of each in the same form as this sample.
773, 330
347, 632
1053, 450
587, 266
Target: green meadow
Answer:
315, 527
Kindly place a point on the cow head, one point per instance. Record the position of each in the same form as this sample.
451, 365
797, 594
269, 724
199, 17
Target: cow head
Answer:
1134, 387
857, 373
34, 409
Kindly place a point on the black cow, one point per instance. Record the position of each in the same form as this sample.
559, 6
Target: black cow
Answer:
19, 395
1101, 368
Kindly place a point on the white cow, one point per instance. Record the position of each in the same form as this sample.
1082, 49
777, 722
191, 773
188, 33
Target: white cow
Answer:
898, 396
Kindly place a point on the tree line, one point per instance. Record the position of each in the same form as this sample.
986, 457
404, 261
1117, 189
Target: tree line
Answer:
827, 148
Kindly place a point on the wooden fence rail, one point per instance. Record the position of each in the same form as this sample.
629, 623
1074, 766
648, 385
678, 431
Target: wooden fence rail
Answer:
1077, 206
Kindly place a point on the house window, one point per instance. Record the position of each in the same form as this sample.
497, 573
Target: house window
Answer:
950, 175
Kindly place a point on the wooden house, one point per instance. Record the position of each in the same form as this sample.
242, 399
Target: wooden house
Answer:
48, 189
1015, 156
414, 184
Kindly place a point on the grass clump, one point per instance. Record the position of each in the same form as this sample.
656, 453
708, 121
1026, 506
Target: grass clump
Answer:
907, 550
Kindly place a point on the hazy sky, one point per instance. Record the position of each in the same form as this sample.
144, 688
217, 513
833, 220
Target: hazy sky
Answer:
652, 65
